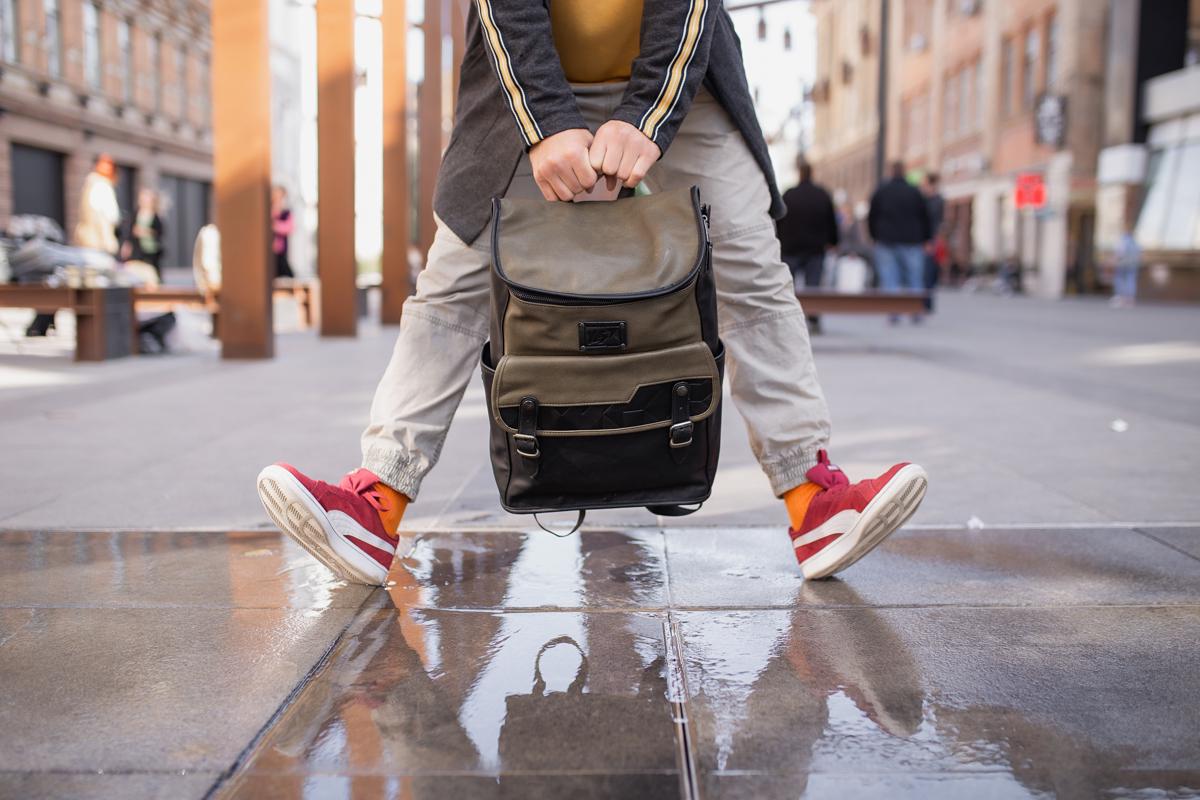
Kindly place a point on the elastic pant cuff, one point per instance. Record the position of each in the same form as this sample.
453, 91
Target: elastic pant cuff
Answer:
395, 470
790, 471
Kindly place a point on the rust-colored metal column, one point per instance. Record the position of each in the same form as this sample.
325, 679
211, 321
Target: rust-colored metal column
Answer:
335, 167
429, 123
458, 24
394, 263
241, 107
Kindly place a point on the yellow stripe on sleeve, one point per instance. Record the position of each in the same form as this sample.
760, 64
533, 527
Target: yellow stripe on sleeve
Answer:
675, 74
516, 96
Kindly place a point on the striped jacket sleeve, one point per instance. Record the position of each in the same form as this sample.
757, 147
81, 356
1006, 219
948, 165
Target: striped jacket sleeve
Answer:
521, 45
676, 35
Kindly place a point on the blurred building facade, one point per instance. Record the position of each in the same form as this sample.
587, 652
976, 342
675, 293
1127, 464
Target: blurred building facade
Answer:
124, 77
990, 93
845, 95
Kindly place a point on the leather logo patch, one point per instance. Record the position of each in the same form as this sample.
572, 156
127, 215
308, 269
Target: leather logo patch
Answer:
602, 337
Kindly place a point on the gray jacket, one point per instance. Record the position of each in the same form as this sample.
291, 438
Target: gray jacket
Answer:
512, 94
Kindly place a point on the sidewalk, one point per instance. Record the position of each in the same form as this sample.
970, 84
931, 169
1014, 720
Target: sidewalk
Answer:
157, 639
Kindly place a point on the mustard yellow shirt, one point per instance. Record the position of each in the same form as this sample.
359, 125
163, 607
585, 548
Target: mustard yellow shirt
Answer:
597, 40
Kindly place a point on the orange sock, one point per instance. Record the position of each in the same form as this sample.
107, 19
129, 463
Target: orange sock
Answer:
797, 501
394, 504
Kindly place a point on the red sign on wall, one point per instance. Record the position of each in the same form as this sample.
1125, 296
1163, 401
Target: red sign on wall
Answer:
1031, 190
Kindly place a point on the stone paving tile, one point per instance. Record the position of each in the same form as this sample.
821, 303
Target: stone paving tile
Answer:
1078, 702
261, 786
144, 786
136, 689
1186, 540
515, 570
461, 693
715, 568
261, 569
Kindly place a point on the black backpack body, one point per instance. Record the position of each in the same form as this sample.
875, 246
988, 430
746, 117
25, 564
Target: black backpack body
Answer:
604, 369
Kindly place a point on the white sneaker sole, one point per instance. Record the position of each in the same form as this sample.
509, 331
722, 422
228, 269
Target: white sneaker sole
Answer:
300, 516
886, 512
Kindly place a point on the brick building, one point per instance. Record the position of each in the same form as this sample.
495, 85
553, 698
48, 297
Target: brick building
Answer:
126, 77
845, 95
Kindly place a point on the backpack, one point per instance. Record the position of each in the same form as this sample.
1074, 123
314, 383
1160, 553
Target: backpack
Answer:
603, 370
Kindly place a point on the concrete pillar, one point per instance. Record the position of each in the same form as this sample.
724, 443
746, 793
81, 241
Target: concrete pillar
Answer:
241, 101
394, 263
430, 124
335, 167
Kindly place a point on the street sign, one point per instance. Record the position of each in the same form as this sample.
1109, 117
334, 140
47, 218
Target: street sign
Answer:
1031, 190
1050, 120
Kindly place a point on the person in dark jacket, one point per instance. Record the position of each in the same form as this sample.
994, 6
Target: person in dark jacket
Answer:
898, 221
558, 100
936, 204
806, 232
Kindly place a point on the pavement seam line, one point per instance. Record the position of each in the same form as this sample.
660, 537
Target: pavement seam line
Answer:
316, 669
1177, 549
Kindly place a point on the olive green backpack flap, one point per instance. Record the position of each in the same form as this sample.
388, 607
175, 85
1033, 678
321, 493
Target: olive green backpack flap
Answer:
603, 371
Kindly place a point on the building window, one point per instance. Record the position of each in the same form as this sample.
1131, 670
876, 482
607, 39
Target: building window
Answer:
1052, 46
155, 44
8, 30
966, 100
181, 87
950, 105
1007, 77
126, 56
978, 109
918, 16
91, 45
1029, 63
53, 38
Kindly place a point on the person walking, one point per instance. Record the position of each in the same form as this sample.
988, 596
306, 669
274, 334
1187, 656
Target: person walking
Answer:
808, 230
1127, 258
553, 97
282, 226
898, 221
935, 205
145, 241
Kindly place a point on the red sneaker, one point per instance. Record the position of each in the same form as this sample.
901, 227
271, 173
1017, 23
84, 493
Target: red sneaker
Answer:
846, 521
338, 525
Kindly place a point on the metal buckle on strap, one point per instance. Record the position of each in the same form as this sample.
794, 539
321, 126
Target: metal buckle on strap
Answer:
527, 445
681, 434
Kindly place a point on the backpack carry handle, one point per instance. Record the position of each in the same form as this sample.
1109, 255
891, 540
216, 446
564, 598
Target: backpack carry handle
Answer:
673, 511
578, 524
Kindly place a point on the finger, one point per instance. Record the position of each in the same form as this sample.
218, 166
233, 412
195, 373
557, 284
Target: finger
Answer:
610, 181
561, 189
584, 172
547, 192
640, 167
597, 152
612, 159
567, 175
628, 160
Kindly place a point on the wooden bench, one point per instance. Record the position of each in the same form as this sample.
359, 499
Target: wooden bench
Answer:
104, 322
162, 298
829, 301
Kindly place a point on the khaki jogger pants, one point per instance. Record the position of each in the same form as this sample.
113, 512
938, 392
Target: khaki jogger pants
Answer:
769, 359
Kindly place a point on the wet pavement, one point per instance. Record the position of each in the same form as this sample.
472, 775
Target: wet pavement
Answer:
617, 663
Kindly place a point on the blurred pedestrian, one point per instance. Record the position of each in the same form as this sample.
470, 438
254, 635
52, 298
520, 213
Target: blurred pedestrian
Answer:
145, 242
1127, 258
99, 213
899, 223
99, 216
935, 250
853, 267
807, 232
282, 226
